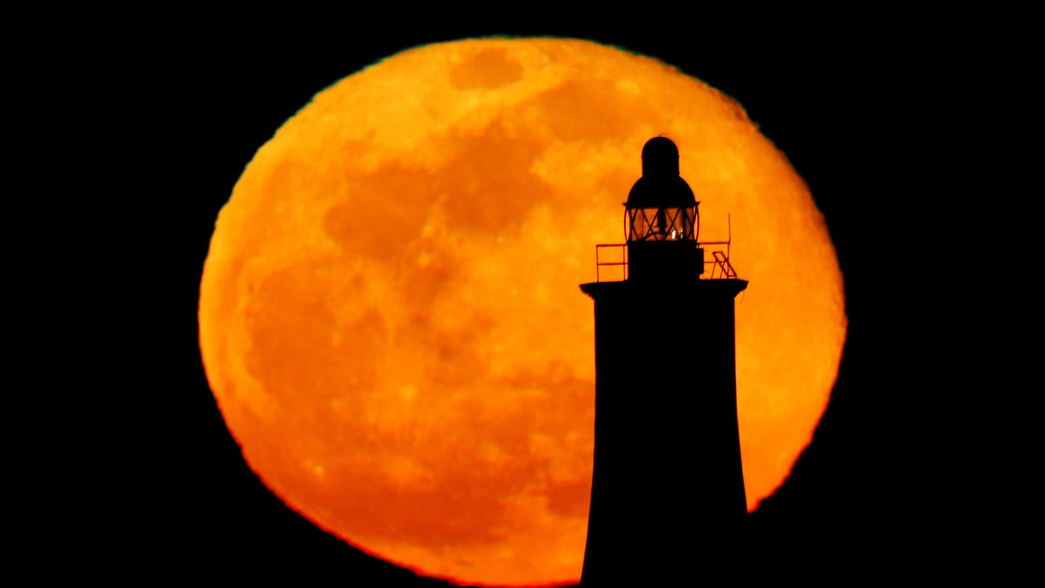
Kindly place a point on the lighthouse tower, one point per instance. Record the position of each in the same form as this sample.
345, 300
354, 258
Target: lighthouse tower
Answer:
667, 489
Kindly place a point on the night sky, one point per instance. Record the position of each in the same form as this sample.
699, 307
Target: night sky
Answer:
866, 499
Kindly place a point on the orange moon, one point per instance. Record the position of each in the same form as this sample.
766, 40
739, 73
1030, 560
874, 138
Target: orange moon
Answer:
390, 316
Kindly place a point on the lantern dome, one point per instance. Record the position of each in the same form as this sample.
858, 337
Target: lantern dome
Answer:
660, 185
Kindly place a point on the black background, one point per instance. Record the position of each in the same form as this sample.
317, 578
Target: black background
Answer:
878, 492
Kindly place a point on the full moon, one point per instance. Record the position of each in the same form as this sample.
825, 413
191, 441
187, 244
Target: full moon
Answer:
390, 317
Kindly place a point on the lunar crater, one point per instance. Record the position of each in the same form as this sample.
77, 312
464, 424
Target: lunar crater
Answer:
486, 70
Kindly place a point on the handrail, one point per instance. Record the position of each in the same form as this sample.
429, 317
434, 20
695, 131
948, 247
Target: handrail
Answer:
721, 268
716, 268
623, 262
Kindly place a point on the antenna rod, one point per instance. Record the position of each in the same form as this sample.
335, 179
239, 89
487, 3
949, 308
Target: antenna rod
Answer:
729, 234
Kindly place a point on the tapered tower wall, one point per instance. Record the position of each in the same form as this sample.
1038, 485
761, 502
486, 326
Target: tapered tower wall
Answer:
668, 484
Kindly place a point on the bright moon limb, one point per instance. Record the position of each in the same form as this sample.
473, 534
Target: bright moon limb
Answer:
390, 317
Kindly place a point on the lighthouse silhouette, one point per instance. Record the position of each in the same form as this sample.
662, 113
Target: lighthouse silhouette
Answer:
667, 495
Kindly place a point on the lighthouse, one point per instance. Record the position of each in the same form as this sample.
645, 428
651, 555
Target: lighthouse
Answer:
667, 486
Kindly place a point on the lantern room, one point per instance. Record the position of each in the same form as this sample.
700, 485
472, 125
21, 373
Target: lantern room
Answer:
661, 219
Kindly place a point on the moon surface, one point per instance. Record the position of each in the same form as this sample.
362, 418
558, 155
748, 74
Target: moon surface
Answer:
390, 317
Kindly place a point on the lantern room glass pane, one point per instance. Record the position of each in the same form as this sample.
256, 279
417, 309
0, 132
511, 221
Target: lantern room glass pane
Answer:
662, 224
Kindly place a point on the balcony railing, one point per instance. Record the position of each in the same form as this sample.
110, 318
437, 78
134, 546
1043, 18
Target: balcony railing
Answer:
717, 267
620, 259
615, 255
